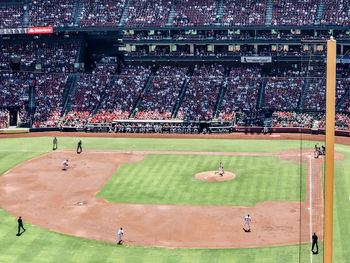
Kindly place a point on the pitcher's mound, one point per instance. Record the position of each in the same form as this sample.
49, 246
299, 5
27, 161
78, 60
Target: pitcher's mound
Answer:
215, 176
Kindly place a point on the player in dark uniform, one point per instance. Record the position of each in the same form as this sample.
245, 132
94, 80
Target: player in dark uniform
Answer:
314, 243
20, 225
54, 147
79, 147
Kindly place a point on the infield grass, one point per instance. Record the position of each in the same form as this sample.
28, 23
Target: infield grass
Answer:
169, 179
41, 245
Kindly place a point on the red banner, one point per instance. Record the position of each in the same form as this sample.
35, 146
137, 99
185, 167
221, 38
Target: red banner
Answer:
40, 30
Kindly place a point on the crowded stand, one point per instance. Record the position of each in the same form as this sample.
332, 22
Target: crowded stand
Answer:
58, 57
88, 94
14, 88
155, 127
51, 13
293, 12
48, 98
122, 96
101, 14
316, 94
244, 13
342, 122
195, 13
202, 92
4, 118
24, 118
11, 16
245, 119
345, 107
77, 119
336, 12
283, 93
291, 119
160, 99
26, 52
146, 13
242, 91
142, 13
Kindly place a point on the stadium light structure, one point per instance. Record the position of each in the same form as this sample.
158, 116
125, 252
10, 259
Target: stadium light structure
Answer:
329, 165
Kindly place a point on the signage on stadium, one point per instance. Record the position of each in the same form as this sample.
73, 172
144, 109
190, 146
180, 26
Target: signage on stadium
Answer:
30, 30
256, 59
40, 30
13, 31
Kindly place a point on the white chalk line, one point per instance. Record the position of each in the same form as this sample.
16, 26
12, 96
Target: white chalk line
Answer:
310, 185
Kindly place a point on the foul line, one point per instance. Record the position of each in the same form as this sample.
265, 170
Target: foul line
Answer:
310, 185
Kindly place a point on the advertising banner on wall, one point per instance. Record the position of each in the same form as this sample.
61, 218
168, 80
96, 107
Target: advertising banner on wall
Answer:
40, 30
256, 59
30, 30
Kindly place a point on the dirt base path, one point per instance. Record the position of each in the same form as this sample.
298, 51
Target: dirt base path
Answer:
65, 201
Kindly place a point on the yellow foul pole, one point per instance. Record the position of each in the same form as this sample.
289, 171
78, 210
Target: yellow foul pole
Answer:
329, 166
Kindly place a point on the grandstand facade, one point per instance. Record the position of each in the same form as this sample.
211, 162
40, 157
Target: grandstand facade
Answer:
170, 66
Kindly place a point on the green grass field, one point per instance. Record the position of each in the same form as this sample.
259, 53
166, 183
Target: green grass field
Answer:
169, 179
41, 245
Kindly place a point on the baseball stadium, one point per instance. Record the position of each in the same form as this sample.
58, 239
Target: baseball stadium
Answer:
174, 131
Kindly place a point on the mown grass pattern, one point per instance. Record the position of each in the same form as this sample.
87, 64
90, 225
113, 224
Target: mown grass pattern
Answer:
169, 179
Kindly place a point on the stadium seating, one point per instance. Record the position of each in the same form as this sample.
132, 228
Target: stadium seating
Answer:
14, 89
11, 16
202, 92
242, 91
294, 12
159, 101
58, 57
244, 12
101, 14
336, 12
4, 116
121, 98
48, 97
291, 119
88, 94
25, 51
142, 13
283, 93
145, 13
195, 13
51, 13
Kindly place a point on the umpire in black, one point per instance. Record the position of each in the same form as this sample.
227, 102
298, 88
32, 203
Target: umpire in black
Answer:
79, 147
314, 243
20, 225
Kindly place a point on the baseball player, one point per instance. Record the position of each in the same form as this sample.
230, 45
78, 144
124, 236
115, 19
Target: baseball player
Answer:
65, 165
54, 147
247, 220
79, 147
314, 243
120, 234
20, 225
221, 169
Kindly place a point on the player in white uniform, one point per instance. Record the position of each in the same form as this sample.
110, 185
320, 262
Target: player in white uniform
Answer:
120, 235
247, 220
65, 164
221, 169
